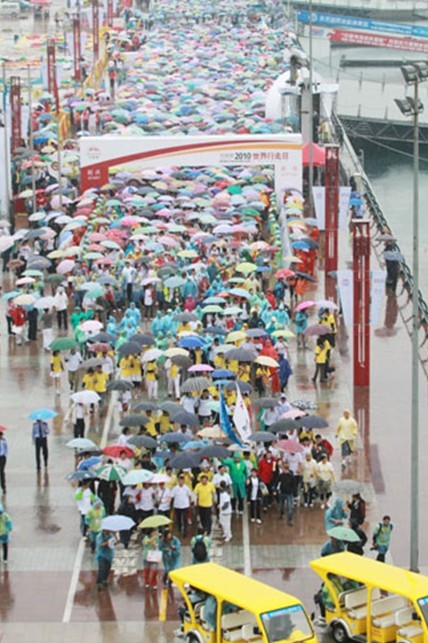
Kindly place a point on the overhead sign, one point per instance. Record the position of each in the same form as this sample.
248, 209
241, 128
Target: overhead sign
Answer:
331, 20
99, 155
377, 40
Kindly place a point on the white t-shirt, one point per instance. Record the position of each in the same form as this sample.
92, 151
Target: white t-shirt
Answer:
225, 503
219, 477
181, 496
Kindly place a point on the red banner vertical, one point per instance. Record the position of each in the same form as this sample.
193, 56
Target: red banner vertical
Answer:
15, 107
77, 48
361, 260
96, 29
109, 13
52, 71
331, 207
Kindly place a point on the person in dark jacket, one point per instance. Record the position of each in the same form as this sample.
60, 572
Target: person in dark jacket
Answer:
285, 489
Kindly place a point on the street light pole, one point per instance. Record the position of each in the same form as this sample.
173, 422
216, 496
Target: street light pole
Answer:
311, 111
414, 74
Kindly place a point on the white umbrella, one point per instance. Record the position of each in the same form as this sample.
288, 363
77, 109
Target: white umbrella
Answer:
45, 302
81, 443
151, 355
117, 523
85, 397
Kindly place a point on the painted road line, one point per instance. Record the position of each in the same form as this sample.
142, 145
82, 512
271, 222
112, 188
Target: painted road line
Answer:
74, 580
81, 548
163, 605
248, 571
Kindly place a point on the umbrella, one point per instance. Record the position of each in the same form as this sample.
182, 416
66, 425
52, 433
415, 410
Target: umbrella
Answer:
103, 337
256, 332
343, 533
347, 487
290, 446
129, 348
215, 451
92, 363
265, 360
262, 436
143, 441
117, 523
158, 478
88, 463
181, 360
185, 461
305, 304
120, 385
85, 397
174, 352
24, 300
153, 522
115, 450
241, 354
316, 330
326, 303
145, 406
142, 339
81, 475
200, 368
268, 402
283, 425
195, 384
136, 419
111, 472
183, 417
191, 341
137, 476
175, 438
170, 407
42, 414
393, 255
63, 344
222, 373
312, 422
44, 302
244, 387
151, 355
81, 443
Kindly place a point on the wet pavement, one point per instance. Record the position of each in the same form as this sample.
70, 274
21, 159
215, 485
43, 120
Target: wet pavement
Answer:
47, 591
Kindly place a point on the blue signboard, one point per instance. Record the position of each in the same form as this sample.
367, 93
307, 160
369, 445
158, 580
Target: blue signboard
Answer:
331, 20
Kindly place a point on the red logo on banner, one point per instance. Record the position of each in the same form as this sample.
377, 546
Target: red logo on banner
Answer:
377, 40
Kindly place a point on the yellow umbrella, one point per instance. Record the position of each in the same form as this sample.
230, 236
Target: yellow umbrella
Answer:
56, 254
24, 300
246, 267
296, 223
172, 352
264, 360
187, 254
213, 432
72, 251
283, 333
235, 336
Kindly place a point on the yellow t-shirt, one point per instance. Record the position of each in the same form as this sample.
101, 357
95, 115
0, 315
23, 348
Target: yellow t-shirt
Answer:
151, 428
164, 423
126, 365
88, 382
173, 371
100, 382
219, 361
321, 352
56, 363
244, 372
151, 372
233, 365
205, 494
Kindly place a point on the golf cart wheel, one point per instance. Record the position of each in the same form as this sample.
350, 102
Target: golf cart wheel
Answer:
339, 633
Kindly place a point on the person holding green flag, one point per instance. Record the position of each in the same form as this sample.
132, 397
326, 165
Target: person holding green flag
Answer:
93, 520
239, 473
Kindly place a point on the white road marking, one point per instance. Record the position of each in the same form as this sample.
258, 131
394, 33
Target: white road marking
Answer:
248, 570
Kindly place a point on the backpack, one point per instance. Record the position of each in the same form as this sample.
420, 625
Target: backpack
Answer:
200, 550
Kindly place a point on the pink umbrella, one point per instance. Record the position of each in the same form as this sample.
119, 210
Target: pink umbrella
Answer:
293, 414
95, 247
92, 325
305, 304
168, 241
65, 266
290, 446
129, 221
97, 236
200, 368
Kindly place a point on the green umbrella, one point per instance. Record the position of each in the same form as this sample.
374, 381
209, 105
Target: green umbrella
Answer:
343, 533
155, 521
54, 279
63, 344
111, 472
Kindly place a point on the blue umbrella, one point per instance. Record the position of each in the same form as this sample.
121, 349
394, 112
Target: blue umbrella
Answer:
300, 245
10, 295
221, 373
117, 523
196, 444
87, 464
137, 477
81, 475
42, 414
192, 341
216, 330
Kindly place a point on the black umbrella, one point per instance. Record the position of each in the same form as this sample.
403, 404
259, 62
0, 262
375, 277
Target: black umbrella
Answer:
129, 348
312, 422
175, 438
143, 441
268, 402
103, 337
183, 417
145, 406
142, 340
119, 385
241, 354
215, 451
134, 419
216, 330
185, 317
303, 275
256, 332
186, 461
195, 384
262, 436
244, 387
284, 425
181, 360
92, 362
170, 407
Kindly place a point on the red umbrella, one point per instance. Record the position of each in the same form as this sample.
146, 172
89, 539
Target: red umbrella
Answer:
283, 273
291, 446
115, 450
318, 154
2, 428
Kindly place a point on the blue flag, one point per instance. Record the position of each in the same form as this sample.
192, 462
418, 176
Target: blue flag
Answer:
225, 423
